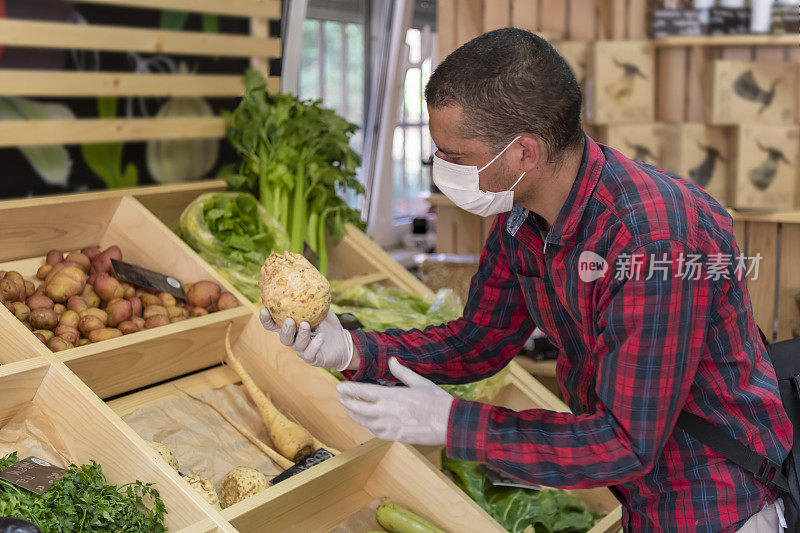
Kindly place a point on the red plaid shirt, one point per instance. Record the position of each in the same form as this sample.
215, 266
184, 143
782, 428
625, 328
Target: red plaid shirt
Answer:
650, 337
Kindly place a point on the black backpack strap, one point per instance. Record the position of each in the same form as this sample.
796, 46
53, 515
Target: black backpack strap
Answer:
765, 470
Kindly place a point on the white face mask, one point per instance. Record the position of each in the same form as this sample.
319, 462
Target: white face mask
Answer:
461, 183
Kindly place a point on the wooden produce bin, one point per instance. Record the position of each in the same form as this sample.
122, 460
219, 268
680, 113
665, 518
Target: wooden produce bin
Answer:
32, 227
320, 499
88, 430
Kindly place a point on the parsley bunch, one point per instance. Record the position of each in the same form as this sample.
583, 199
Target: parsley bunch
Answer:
82, 500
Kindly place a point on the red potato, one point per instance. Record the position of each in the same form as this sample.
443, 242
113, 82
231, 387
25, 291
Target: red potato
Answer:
30, 289
203, 294
227, 301
89, 323
40, 337
118, 311
136, 306
94, 311
167, 300
39, 301
139, 322
108, 288
39, 289
43, 271
128, 327
156, 321
90, 251
68, 282
59, 344
104, 334
54, 257
68, 334
197, 311
77, 303
70, 319
9, 290
149, 299
79, 259
45, 333
154, 310
21, 311
102, 262
43, 319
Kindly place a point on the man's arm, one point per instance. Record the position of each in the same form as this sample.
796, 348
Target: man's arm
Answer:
650, 339
495, 325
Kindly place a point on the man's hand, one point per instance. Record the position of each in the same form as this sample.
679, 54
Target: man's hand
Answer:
329, 347
417, 414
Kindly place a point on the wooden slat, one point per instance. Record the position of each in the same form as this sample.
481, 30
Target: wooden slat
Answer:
671, 88
739, 228
18, 32
694, 85
581, 20
770, 53
762, 238
637, 19
729, 40
741, 53
44, 132
259, 28
446, 15
789, 286
496, 14
244, 8
525, 14
616, 24
49, 83
469, 22
553, 17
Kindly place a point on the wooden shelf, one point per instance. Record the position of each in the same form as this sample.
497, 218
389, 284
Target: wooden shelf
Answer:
728, 40
537, 368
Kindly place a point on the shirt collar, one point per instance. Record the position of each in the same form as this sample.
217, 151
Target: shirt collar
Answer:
572, 211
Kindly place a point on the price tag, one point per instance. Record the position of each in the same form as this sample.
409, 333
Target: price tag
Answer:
141, 277
498, 478
314, 459
33, 474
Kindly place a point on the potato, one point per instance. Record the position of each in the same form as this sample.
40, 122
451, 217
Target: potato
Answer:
30, 289
165, 454
154, 310
60, 309
90, 251
149, 299
196, 311
28, 325
102, 262
89, 323
70, 281
156, 321
40, 336
292, 288
99, 313
177, 312
107, 287
77, 303
127, 290
227, 301
46, 334
17, 278
9, 290
53, 271
21, 311
91, 297
69, 318
43, 318
128, 327
79, 259
118, 311
68, 334
136, 306
39, 301
58, 344
167, 300
9, 306
104, 334
139, 322
83, 342
204, 488
43, 271
203, 294
241, 483
54, 257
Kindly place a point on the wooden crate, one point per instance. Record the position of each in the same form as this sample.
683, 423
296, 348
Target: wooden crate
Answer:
32, 227
640, 142
88, 430
763, 92
699, 153
620, 87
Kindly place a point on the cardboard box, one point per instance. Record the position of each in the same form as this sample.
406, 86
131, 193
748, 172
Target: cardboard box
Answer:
620, 88
640, 142
698, 153
765, 171
744, 92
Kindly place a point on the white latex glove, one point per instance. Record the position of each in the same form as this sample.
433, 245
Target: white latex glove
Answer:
329, 347
417, 414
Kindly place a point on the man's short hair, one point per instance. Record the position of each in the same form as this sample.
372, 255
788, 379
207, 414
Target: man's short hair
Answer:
510, 82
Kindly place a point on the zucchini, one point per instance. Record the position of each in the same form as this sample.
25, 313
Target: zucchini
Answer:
397, 519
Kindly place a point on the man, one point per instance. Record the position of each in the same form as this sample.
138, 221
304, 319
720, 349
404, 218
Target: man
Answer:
632, 273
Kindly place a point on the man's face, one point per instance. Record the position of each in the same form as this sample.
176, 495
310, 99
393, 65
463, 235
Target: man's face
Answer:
453, 147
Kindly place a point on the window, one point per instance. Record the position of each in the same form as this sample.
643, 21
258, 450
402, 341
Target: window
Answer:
412, 142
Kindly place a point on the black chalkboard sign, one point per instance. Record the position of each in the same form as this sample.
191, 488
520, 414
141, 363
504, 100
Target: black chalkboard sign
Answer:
729, 21
668, 22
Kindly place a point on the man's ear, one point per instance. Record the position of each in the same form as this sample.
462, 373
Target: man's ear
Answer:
533, 153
